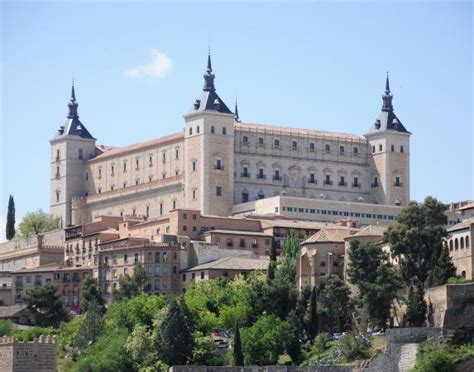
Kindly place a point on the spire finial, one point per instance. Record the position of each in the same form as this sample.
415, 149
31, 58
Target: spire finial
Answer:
387, 85
236, 112
387, 97
209, 75
73, 92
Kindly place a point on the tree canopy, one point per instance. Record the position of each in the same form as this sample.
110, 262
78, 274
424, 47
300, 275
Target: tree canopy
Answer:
10, 226
38, 222
45, 307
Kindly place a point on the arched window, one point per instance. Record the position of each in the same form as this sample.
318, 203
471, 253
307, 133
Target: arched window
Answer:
311, 147
212, 129
451, 245
245, 139
277, 143
463, 274
327, 148
355, 151
260, 141
392, 148
190, 131
224, 131
462, 242
456, 244
245, 197
380, 147
467, 241
342, 150
294, 145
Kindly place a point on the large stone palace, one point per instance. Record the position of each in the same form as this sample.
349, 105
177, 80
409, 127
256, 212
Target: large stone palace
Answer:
222, 166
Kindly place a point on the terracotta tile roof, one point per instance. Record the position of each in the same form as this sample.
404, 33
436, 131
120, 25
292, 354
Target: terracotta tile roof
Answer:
467, 206
233, 263
296, 224
297, 132
330, 235
372, 230
11, 311
117, 151
238, 232
462, 225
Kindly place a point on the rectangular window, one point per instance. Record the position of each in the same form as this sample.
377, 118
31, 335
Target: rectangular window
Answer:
124, 167
157, 257
312, 178
81, 154
164, 158
218, 190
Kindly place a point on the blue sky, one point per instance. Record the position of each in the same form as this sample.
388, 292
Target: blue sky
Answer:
304, 65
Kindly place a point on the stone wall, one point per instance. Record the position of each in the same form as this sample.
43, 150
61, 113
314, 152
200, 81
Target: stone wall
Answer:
260, 369
38, 356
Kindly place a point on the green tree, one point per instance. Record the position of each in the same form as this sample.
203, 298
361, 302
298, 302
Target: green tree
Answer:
416, 307
286, 270
10, 227
173, 337
444, 268
237, 350
293, 337
91, 292
205, 352
378, 283
45, 307
313, 319
92, 326
263, 342
140, 348
130, 286
38, 222
273, 260
336, 300
416, 241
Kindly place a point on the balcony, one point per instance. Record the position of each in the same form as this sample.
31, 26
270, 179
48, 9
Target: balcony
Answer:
277, 178
326, 182
255, 246
245, 175
261, 176
313, 181
342, 183
397, 184
218, 167
356, 185
375, 184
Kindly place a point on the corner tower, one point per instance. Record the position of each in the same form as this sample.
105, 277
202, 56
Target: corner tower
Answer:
389, 143
209, 152
72, 146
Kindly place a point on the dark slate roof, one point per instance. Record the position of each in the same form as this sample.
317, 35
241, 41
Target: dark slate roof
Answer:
387, 120
209, 99
73, 126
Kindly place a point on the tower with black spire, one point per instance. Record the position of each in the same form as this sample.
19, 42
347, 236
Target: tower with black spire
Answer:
389, 143
209, 151
70, 147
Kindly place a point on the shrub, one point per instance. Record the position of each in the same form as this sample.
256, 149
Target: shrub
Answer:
439, 360
33, 332
321, 342
354, 347
6, 327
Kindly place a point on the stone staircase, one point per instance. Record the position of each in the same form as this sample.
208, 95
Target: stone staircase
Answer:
408, 353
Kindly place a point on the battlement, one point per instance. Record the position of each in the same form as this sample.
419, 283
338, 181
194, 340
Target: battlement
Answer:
37, 355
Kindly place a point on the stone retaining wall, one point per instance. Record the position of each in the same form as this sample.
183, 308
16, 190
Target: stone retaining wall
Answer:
261, 369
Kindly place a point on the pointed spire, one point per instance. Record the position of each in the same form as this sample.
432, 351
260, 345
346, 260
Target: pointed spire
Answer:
236, 112
72, 104
209, 75
387, 97
387, 85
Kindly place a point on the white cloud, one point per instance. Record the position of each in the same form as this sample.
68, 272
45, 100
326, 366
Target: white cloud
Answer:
159, 66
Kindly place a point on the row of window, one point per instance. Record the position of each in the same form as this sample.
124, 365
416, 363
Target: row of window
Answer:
213, 130
392, 148
294, 146
339, 213
455, 244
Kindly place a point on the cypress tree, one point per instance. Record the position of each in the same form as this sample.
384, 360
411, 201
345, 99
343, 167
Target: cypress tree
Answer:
237, 351
10, 228
313, 315
273, 262
444, 268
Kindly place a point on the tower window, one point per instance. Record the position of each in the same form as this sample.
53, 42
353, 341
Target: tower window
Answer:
137, 164
174, 204
260, 141
328, 181
80, 154
312, 178
380, 147
176, 154
218, 190
224, 131
342, 181
245, 139
57, 172
194, 194
373, 149
197, 129
218, 164
294, 145
245, 172
277, 143
124, 166
194, 165
190, 131
276, 175
260, 173
161, 208
87, 176
401, 148
392, 148
212, 129
147, 211
341, 150
112, 170
164, 158
57, 155
327, 148
356, 182
311, 147
355, 151
376, 182
57, 196
397, 181
150, 161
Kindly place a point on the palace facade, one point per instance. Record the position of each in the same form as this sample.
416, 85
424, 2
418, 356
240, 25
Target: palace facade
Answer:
222, 166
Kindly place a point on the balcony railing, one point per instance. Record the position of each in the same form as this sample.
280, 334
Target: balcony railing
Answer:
397, 184
313, 181
342, 183
277, 178
375, 184
261, 176
245, 175
326, 182
356, 185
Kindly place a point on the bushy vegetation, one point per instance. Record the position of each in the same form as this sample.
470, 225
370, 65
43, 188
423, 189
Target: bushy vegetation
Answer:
442, 357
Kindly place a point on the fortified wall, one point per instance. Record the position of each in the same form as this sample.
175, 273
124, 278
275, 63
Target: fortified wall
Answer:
38, 355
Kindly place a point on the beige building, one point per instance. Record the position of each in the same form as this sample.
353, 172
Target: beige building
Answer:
218, 165
461, 247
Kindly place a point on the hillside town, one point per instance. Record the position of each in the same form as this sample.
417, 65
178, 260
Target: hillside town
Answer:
232, 244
